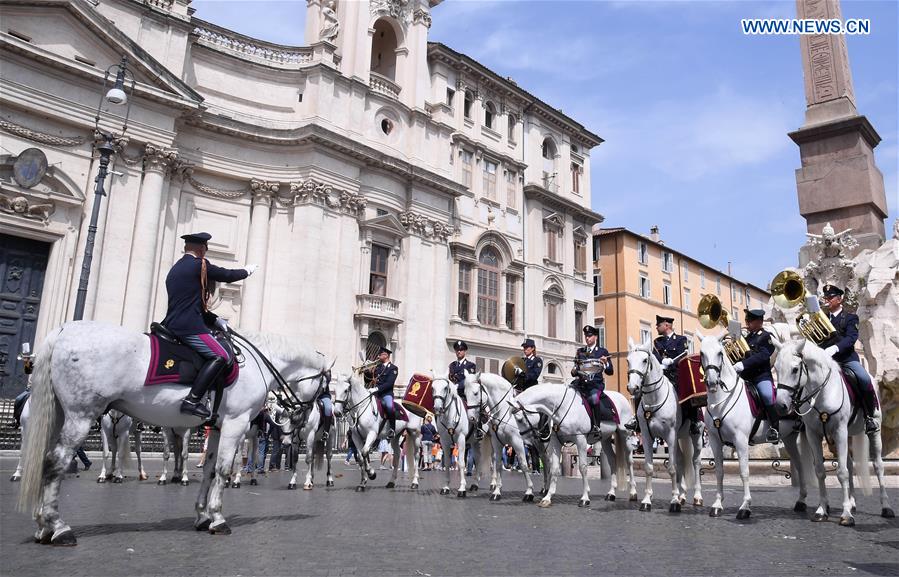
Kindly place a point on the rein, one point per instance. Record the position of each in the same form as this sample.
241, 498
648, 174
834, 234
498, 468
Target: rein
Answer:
811, 398
738, 386
649, 410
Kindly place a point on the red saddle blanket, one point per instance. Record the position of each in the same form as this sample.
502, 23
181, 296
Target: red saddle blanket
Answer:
691, 380
174, 363
419, 398
755, 403
401, 414
607, 409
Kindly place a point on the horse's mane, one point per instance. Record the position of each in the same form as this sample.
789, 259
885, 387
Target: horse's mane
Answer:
494, 377
289, 349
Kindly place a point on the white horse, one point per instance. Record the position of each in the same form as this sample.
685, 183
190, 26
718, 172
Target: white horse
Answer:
84, 367
306, 426
486, 394
729, 421
660, 417
454, 427
23, 424
175, 441
352, 399
811, 383
115, 436
571, 423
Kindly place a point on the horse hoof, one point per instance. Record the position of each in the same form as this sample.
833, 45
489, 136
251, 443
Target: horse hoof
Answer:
493, 487
64, 539
412, 486
610, 497
529, 498
372, 475
544, 504
683, 500
674, 508
142, 477
543, 492
800, 507
743, 514
819, 518
360, 489
444, 491
328, 483
118, 480
14, 479
235, 485
159, 482
697, 502
307, 487
583, 503
473, 488
887, 513
101, 479
220, 529
186, 483
847, 521
390, 485
715, 512
633, 498
461, 494
645, 507
496, 497
203, 525
291, 486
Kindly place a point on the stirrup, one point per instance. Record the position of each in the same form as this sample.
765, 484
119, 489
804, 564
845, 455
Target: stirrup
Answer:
773, 436
871, 426
196, 408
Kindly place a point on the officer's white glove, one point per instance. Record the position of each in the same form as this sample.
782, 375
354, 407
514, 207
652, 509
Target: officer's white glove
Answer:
832, 350
250, 268
518, 370
738, 367
667, 362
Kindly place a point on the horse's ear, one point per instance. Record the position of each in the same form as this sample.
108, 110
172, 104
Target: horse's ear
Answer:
777, 344
630, 343
721, 337
700, 335
477, 377
800, 346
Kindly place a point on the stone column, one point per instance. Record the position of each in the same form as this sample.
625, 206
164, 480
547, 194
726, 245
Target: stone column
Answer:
142, 265
257, 249
838, 181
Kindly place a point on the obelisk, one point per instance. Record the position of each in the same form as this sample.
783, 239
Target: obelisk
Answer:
838, 181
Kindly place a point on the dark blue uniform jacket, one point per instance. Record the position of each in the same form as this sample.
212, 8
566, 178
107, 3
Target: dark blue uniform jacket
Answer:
757, 363
845, 337
185, 312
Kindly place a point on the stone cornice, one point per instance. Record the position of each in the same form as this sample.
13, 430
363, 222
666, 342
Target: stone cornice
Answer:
425, 226
859, 124
554, 201
458, 137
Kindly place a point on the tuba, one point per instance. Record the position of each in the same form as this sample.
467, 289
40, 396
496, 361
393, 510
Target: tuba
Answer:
788, 291
712, 314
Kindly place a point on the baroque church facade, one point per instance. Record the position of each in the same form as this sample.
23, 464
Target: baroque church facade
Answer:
394, 191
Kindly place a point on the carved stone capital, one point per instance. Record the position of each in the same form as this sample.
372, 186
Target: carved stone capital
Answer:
311, 191
263, 191
425, 226
399, 9
21, 206
421, 15
159, 159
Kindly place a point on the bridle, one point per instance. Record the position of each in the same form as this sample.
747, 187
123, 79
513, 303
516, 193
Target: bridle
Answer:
651, 409
444, 405
796, 398
719, 421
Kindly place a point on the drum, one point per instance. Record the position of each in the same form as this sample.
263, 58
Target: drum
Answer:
419, 398
691, 382
592, 366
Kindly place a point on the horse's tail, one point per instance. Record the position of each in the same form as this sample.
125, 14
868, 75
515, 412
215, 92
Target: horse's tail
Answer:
318, 454
860, 451
621, 458
686, 450
43, 425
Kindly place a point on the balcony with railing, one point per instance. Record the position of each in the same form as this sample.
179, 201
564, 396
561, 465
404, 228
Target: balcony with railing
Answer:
378, 307
383, 85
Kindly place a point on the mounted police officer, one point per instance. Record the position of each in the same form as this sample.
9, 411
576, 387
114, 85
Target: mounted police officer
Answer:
533, 364
755, 368
460, 367
384, 376
590, 363
186, 285
841, 346
668, 348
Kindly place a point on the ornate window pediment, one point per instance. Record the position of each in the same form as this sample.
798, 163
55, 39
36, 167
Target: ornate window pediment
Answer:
554, 221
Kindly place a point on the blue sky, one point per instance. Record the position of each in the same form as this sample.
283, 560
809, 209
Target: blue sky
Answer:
695, 114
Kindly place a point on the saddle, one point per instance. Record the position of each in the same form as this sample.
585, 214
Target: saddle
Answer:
173, 362
19, 406
401, 414
607, 410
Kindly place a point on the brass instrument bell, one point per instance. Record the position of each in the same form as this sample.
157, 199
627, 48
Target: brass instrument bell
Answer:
508, 370
789, 291
712, 314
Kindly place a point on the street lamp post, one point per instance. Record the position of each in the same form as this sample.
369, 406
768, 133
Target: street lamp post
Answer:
124, 80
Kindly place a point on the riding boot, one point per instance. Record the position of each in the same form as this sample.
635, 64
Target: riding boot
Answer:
392, 424
193, 404
326, 427
633, 424
869, 406
594, 420
773, 435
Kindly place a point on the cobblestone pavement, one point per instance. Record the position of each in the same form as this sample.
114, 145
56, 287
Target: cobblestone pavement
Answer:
139, 528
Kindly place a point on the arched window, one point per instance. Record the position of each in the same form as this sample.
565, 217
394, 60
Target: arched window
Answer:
376, 340
512, 122
550, 182
469, 100
552, 369
489, 114
553, 300
488, 287
383, 50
